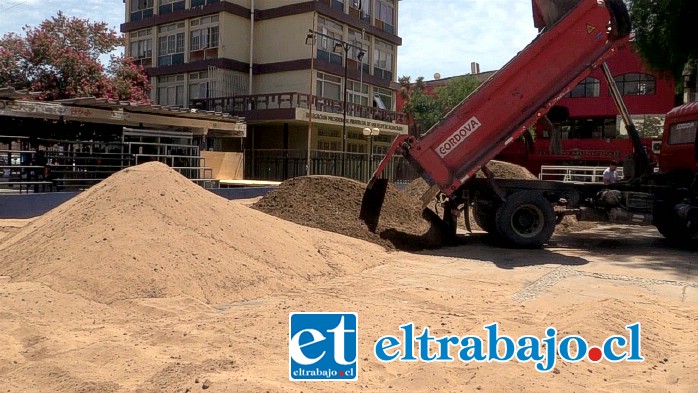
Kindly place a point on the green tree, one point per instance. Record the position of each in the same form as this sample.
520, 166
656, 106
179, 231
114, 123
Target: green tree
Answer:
425, 108
665, 33
426, 111
652, 126
455, 91
60, 59
421, 108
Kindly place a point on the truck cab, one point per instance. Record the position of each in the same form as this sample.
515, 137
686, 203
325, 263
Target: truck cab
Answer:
679, 151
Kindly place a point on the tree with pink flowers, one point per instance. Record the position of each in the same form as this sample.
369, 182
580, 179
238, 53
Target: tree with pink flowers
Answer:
61, 59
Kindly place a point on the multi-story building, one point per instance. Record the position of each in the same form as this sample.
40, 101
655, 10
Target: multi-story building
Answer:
286, 66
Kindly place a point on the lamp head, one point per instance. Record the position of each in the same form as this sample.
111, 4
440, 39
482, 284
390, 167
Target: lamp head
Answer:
371, 131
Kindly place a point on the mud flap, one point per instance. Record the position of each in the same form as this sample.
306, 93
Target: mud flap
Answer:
438, 228
372, 203
429, 195
466, 214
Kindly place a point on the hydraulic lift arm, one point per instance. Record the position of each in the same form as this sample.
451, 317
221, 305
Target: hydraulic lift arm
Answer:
643, 161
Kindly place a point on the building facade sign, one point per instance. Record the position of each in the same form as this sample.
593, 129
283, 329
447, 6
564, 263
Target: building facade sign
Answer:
356, 122
55, 111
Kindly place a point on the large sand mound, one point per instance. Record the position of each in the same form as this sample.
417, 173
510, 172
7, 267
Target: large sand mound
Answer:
333, 204
149, 232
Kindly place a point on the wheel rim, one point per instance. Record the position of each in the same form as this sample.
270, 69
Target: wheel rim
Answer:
527, 221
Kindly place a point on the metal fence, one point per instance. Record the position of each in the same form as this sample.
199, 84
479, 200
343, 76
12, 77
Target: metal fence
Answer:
279, 165
578, 174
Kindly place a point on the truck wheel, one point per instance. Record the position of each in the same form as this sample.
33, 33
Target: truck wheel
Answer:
484, 213
526, 220
620, 19
673, 228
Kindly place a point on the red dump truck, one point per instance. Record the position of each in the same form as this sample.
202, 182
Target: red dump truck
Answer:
523, 213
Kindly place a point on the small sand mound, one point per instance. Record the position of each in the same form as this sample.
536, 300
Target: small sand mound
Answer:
507, 170
570, 224
500, 169
333, 204
147, 231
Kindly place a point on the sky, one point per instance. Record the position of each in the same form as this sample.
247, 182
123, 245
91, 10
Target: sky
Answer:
438, 36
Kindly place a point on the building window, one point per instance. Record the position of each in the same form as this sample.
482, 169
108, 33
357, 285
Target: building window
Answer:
328, 145
357, 39
383, 53
201, 3
383, 150
328, 133
332, 33
204, 38
141, 9
141, 46
361, 8
167, 6
635, 84
385, 15
171, 90
358, 136
591, 128
328, 140
337, 4
357, 93
383, 98
200, 86
589, 87
683, 133
328, 86
356, 148
171, 44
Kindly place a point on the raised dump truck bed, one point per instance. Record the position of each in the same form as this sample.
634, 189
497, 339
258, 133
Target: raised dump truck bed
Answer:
523, 213
516, 96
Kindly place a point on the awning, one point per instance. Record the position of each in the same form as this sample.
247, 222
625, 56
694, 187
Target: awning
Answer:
129, 114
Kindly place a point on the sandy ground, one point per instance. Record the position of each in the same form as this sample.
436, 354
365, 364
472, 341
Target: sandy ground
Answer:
591, 283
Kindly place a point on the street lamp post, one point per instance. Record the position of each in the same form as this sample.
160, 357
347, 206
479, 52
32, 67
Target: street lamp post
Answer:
341, 46
310, 40
344, 46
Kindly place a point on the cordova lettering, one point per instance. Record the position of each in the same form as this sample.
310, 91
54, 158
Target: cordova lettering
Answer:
458, 137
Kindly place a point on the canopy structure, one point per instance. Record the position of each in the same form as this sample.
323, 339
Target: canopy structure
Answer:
15, 103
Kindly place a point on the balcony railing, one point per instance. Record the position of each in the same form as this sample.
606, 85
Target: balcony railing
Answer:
244, 105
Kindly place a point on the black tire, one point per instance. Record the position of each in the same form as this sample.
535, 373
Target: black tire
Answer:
526, 220
673, 227
620, 19
484, 213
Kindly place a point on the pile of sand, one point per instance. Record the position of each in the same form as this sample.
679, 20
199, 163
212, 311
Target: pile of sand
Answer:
333, 204
570, 224
149, 232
